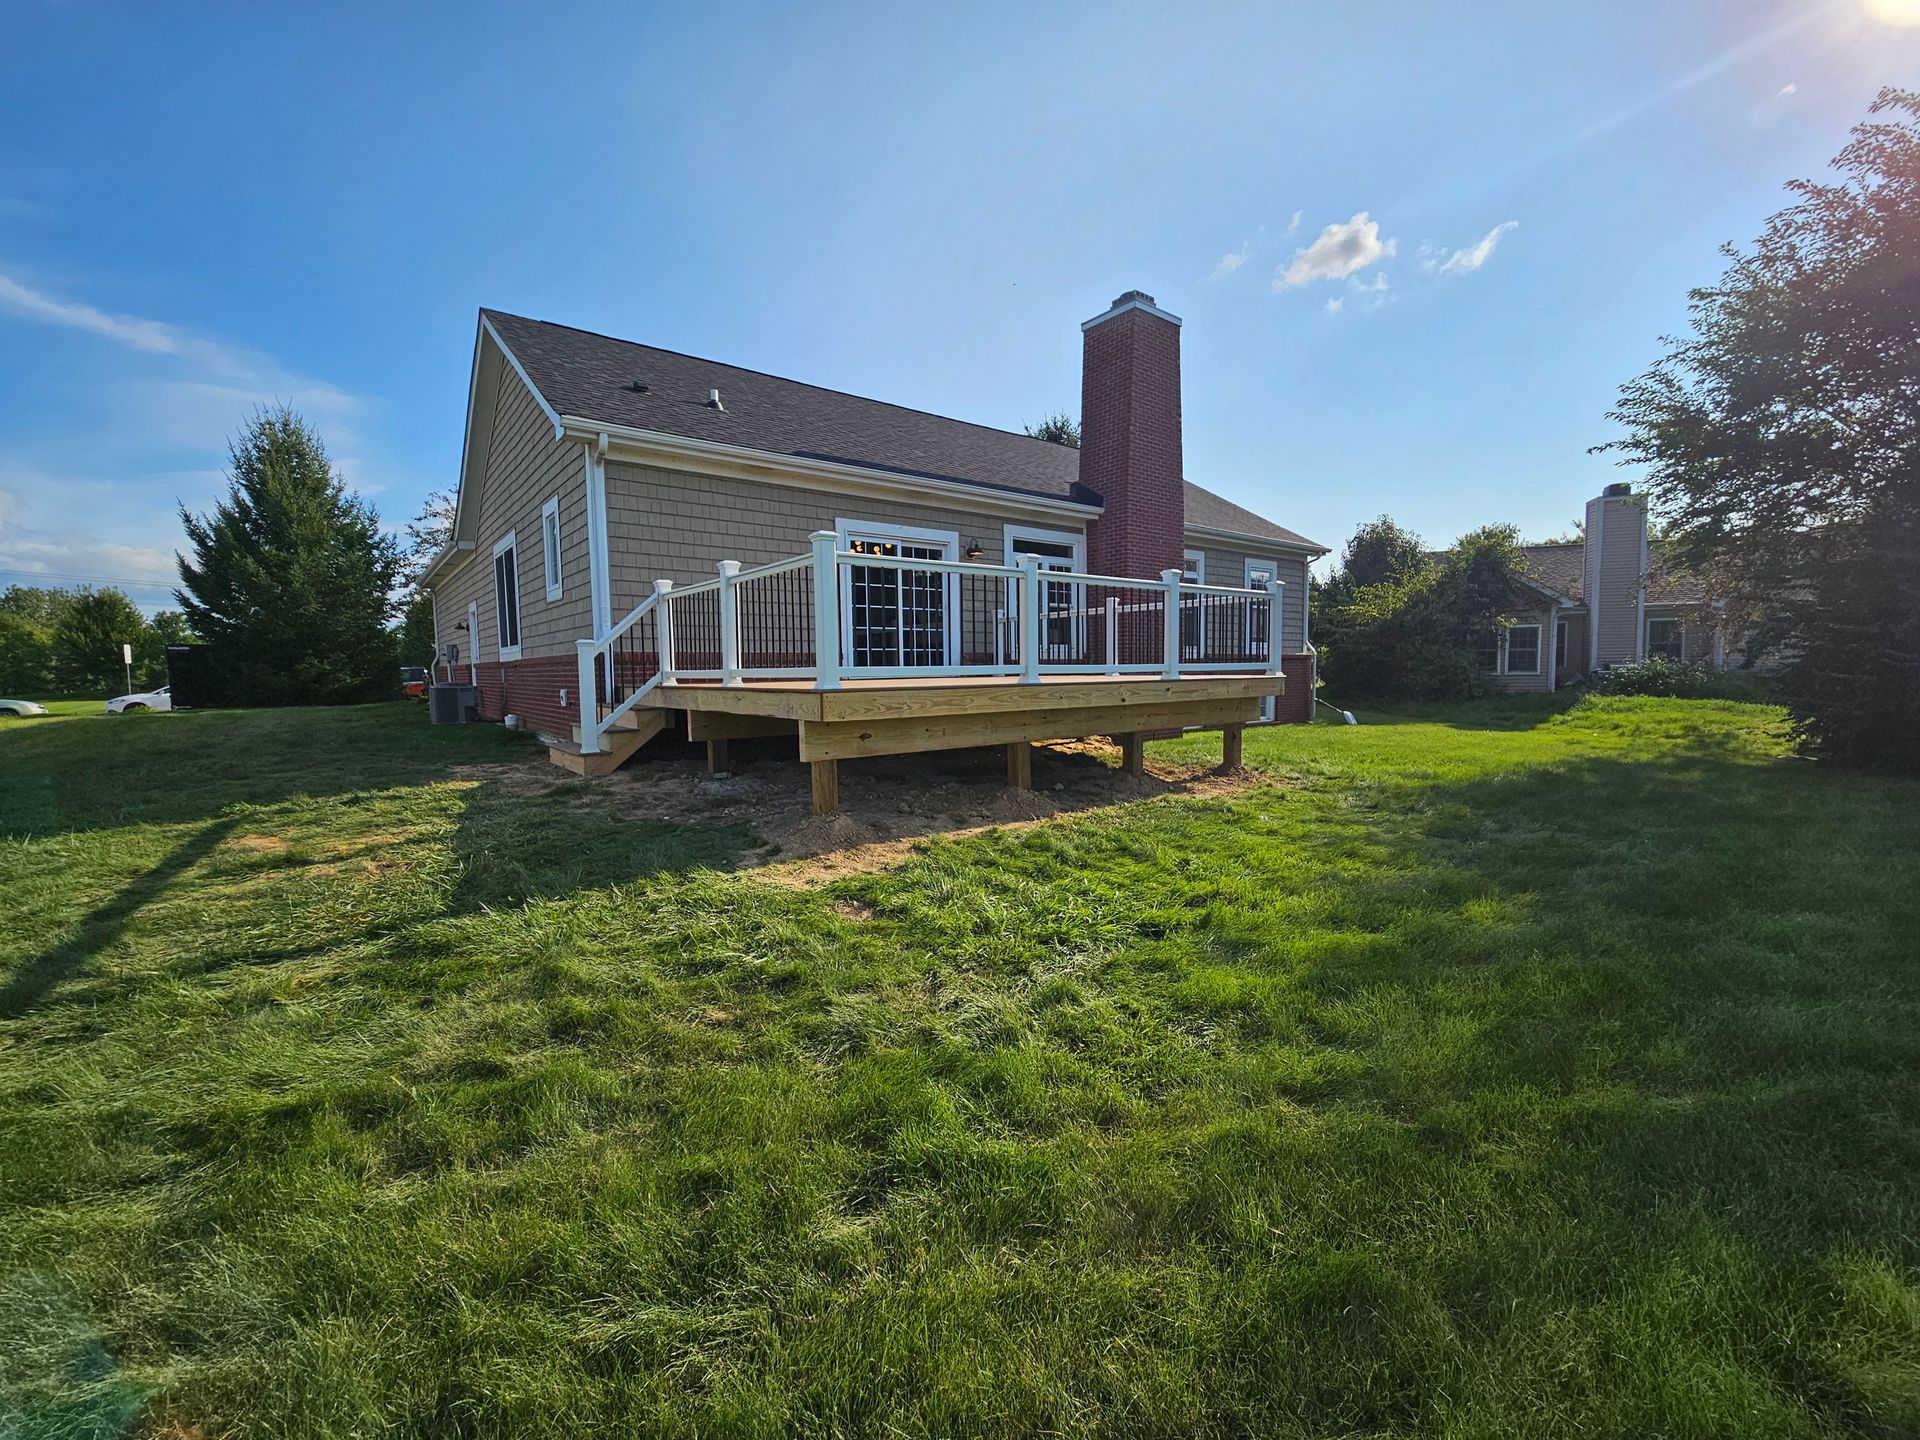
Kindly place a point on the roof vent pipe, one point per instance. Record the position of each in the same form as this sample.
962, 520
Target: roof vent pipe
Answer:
713, 400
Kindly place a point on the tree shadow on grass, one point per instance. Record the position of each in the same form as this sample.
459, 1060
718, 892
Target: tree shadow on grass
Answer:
516, 848
191, 766
509, 848
106, 922
1494, 712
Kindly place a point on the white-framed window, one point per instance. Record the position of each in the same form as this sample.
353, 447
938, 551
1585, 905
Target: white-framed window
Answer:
1559, 645
894, 617
550, 545
1523, 650
1487, 657
1195, 567
1666, 637
1063, 620
506, 596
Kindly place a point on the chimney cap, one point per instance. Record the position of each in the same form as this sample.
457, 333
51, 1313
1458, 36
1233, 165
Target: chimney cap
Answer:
1131, 300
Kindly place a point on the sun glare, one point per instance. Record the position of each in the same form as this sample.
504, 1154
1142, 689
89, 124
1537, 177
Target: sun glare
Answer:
1893, 12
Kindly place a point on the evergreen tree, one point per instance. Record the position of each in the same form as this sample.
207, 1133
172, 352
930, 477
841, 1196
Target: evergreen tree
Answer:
1782, 438
1058, 428
414, 638
291, 581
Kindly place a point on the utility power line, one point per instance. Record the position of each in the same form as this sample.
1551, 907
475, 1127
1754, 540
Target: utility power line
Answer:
87, 579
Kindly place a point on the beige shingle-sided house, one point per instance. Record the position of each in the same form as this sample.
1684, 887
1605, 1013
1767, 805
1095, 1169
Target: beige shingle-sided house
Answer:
650, 520
1605, 599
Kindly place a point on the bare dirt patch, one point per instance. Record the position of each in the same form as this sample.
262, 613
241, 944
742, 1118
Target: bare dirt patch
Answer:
258, 844
887, 805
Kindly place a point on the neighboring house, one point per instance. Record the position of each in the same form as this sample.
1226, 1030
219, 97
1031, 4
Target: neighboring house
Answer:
1605, 599
595, 468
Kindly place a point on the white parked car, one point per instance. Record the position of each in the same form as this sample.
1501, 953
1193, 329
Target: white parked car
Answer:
161, 699
16, 709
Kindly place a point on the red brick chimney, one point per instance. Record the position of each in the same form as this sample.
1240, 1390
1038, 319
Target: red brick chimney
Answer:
1130, 437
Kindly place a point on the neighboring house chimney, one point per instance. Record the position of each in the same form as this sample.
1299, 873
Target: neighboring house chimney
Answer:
1615, 579
1130, 438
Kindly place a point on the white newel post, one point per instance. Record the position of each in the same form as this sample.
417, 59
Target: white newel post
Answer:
826, 610
729, 623
1170, 666
663, 627
1029, 618
589, 694
1113, 633
1276, 593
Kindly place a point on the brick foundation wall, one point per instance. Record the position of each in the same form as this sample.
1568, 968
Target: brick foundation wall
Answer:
1130, 448
1296, 706
531, 689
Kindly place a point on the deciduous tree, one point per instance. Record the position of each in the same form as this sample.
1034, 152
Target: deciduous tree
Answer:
1782, 439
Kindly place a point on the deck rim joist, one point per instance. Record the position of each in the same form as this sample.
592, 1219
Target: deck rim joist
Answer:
886, 700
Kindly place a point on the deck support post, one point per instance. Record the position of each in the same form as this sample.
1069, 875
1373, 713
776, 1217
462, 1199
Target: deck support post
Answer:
729, 624
588, 695
826, 786
1231, 750
1170, 658
717, 757
662, 628
1029, 618
1020, 765
826, 612
1276, 594
1133, 754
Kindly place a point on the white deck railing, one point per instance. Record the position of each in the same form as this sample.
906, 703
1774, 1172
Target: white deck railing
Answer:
834, 615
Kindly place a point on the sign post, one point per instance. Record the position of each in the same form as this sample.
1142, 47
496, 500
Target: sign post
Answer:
126, 658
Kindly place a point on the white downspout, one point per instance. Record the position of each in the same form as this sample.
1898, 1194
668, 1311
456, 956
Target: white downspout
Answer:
1552, 641
599, 573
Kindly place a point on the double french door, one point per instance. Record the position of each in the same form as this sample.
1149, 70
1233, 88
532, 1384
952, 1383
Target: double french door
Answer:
898, 616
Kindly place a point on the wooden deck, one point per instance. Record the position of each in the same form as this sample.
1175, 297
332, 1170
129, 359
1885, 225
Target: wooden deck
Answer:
903, 717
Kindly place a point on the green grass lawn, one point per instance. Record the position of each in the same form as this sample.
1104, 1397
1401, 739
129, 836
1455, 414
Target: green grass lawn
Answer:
1515, 1071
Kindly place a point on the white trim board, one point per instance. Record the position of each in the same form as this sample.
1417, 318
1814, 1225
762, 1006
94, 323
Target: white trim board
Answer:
550, 547
502, 650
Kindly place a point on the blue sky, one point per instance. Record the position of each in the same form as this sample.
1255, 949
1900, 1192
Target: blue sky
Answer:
207, 207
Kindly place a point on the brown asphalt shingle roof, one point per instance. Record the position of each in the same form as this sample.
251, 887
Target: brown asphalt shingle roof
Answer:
1562, 567
592, 376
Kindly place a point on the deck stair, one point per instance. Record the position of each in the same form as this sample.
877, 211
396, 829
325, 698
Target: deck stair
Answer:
617, 745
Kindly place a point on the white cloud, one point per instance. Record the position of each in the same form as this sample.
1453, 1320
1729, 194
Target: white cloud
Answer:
1787, 89
1294, 223
148, 335
93, 492
1460, 262
1334, 306
1337, 252
1231, 261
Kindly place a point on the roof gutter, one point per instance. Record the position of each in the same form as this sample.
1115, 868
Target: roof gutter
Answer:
1262, 543
772, 466
439, 562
